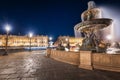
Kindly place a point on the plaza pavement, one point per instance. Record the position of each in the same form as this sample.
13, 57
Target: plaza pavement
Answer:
35, 66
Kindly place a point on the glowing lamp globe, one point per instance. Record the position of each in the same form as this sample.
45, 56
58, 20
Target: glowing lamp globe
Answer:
30, 35
7, 28
50, 38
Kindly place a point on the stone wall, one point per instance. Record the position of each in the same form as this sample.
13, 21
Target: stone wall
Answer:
87, 60
68, 57
106, 61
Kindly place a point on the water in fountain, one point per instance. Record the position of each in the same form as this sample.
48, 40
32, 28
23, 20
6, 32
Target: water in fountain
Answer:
113, 13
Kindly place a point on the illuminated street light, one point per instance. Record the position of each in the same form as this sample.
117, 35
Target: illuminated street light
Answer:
66, 39
50, 38
67, 47
50, 42
66, 42
7, 28
30, 36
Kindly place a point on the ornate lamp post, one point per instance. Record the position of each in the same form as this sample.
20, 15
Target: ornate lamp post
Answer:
67, 44
66, 39
7, 28
30, 36
50, 42
50, 38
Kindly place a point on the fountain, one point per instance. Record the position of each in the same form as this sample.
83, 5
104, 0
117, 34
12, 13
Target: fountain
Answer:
93, 26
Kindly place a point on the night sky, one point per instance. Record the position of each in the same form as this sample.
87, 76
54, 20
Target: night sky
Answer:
44, 17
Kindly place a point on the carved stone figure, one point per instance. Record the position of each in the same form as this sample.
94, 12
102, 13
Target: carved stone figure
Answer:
91, 5
92, 24
91, 13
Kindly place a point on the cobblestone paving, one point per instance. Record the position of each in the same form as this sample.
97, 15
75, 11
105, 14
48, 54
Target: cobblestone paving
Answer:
35, 66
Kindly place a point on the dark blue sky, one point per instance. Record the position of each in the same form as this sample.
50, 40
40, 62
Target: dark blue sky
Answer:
47, 17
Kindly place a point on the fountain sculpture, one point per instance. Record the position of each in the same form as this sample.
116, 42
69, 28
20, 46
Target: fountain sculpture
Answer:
92, 27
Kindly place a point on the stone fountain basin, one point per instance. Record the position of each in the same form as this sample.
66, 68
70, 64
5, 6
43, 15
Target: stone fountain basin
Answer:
94, 24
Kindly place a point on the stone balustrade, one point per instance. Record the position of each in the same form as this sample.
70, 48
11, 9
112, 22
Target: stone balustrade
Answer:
68, 57
87, 60
106, 61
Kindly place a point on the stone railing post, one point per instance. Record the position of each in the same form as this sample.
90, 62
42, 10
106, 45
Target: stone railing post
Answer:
48, 52
86, 60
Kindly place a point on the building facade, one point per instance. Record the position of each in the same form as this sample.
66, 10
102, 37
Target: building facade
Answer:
24, 41
73, 41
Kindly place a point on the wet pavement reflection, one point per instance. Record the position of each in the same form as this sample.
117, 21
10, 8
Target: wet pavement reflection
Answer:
35, 66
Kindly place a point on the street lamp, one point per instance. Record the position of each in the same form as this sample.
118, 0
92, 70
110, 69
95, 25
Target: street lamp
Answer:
67, 47
50, 38
66, 39
50, 41
30, 36
7, 28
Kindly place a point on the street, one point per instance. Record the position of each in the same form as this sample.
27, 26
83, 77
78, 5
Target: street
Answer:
35, 66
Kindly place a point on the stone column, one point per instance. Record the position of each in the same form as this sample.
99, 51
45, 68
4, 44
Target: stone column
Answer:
48, 52
86, 60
